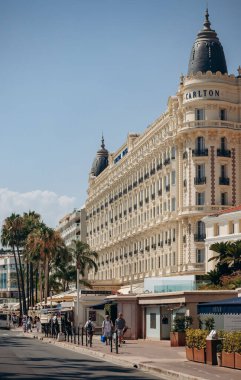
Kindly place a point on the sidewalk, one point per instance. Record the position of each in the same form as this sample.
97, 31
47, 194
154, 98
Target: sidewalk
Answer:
157, 358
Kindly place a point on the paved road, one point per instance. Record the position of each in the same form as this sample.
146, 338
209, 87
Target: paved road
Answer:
25, 358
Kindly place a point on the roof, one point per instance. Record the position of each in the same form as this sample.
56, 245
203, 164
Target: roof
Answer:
207, 52
227, 306
101, 160
226, 211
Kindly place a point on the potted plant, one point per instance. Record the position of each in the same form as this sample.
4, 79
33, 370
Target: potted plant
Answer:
177, 335
228, 349
190, 334
237, 349
199, 349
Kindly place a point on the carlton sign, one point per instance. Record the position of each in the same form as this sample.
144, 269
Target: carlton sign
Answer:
201, 94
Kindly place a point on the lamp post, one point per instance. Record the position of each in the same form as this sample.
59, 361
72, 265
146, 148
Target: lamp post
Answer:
77, 306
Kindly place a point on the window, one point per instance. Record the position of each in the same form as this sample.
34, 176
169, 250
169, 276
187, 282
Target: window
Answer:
216, 230
200, 171
224, 199
231, 228
200, 228
223, 114
223, 171
223, 143
173, 153
200, 199
199, 114
200, 143
200, 255
173, 204
173, 177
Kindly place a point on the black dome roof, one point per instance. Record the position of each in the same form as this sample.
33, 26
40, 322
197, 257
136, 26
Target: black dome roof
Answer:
207, 52
101, 160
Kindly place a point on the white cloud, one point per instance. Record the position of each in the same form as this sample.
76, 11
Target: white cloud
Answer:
51, 206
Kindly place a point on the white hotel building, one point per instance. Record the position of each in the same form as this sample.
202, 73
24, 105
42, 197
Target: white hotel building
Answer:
146, 201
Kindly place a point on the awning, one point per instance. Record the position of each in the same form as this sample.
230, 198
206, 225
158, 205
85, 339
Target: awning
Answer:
227, 306
101, 306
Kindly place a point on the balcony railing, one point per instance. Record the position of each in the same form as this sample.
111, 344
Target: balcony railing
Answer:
199, 180
167, 188
224, 181
223, 153
200, 152
167, 161
199, 237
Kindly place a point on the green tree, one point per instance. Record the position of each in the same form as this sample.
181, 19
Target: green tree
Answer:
13, 236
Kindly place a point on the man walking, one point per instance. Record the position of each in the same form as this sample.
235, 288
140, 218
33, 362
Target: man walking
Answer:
89, 327
120, 325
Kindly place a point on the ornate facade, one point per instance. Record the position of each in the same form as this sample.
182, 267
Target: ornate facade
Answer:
145, 206
73, 226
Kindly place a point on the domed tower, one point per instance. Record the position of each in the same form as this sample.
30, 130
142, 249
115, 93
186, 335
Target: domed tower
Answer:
207, 52
101, 160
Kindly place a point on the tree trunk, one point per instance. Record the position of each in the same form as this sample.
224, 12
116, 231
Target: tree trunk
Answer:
18, 282
40, 284
46, 278
27, 281
36, 286
22, 280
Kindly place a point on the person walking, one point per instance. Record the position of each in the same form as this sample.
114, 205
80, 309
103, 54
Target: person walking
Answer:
107, 328
38, 325
120, 325
29, 324
89, 328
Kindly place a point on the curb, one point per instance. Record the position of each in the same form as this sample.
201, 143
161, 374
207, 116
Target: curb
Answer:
145, 367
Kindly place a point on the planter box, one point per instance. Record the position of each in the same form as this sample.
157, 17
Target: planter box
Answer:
228, 359
237, 360
177, 339
189, 354
199, 355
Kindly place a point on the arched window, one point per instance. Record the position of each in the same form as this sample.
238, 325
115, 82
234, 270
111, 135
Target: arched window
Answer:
200, 143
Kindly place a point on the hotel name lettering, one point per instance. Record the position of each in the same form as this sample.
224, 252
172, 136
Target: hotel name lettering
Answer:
202, 94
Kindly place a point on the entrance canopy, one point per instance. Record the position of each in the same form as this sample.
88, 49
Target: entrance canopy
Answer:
101, 306
228, 306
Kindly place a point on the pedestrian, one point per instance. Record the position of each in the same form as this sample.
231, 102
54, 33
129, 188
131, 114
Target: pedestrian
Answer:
89, 327
107, 328
120, 325
24, 323
29, 324
38, 325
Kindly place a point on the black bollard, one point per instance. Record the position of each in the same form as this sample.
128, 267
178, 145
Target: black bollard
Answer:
116, 343
78, 335
82, 336
111, 341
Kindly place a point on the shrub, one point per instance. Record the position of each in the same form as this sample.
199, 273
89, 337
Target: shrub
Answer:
181, 323
196, 338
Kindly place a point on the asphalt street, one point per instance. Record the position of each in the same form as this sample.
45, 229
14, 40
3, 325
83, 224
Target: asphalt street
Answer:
24, 358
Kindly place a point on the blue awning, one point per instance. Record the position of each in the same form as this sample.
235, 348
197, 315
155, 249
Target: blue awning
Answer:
101, 306
227, 306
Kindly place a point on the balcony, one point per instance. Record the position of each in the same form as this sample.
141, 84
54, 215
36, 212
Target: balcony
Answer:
141, 203
159, 167
135, 184
200, 152
167, 188
129, 187
146, 176
199, 180
140, 179
199, 237
153, 196
224, 181
147, 199
153, 171
135, 206
223, 153
160, 192
167, 161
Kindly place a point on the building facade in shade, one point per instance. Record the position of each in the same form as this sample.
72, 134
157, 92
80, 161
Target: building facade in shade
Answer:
146, 201
73, 226
8, 278
220, 227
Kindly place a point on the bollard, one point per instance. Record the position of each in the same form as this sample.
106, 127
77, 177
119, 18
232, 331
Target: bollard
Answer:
78, 335
116, 343
111, 341
74, 336
82, 336
71, 335
86, 338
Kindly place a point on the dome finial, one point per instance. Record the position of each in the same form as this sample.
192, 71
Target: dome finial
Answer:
207, 23
102, 142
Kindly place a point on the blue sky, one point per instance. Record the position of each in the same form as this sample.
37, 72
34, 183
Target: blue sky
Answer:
72, 69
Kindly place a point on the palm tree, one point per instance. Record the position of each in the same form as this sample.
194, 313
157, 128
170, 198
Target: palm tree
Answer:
222, 250
84, 258
13, 236
46, 242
